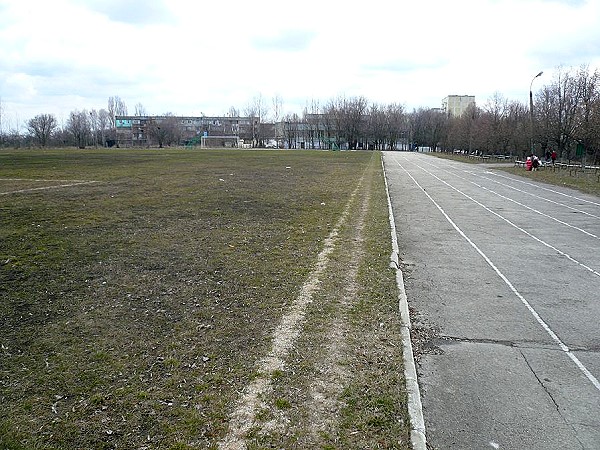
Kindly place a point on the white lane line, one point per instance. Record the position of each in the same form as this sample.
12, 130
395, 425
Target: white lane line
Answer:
533, 312
534, 195
550, 246
537, 186
562, 222
44, 188
503, 184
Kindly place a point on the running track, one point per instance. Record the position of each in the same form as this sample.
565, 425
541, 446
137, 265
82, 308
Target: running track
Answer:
504, 275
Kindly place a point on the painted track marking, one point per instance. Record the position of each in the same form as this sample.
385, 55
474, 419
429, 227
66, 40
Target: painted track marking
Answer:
562, 222
565, 349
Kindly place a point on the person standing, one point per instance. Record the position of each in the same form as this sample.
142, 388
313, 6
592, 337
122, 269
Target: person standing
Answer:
553, 156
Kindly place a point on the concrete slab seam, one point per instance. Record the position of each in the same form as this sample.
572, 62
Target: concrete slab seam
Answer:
415, 407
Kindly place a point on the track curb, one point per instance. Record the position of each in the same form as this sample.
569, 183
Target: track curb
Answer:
415, 407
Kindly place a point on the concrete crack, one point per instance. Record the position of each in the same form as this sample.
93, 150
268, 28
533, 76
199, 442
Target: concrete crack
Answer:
549, 394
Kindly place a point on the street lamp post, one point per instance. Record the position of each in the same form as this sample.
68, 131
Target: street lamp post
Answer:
531, 146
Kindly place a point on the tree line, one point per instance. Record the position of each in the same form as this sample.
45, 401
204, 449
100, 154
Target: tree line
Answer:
565, 118
81, 129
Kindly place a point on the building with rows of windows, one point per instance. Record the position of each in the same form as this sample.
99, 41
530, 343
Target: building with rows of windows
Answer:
456, 105
148, 131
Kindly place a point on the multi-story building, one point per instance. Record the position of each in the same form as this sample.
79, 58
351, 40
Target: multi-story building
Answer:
145, 131
456, 105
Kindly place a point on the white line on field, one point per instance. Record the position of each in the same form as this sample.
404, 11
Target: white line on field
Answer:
533, 312
43, 180
44, 188
243, 417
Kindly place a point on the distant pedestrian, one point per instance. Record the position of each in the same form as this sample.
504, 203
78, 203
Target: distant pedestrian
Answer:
535, 163
528, 163
553, 157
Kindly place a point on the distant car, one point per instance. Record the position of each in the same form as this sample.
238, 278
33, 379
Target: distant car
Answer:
271, 145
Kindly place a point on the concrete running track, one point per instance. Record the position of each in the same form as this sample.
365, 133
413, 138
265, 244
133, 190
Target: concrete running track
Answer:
504, 275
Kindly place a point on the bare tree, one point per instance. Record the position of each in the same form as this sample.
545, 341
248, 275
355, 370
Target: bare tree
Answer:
517, 124
290, 129
257, 110
588, 113
94, 126
164, 130
41, 128
463, 131
350, 118
140, 110
116, 107
376, 126
78, 125
313, 124
104, 125
277, 111
332, 124
495, 135
397, 125
562, 105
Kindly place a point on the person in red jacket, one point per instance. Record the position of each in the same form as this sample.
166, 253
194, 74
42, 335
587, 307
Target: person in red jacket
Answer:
528, 163
553, 156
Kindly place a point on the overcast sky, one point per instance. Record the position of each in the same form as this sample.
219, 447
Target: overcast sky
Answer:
192, 57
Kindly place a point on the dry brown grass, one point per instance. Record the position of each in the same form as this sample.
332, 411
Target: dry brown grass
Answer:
133, 309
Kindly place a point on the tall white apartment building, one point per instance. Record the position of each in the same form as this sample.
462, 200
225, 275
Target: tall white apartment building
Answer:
455, 105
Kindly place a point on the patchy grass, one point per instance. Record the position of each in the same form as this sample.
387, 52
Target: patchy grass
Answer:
133, 309
344, 379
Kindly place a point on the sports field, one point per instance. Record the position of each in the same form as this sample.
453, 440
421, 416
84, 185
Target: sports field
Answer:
175, 299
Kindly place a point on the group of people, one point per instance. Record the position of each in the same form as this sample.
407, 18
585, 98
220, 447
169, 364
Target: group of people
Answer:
533, 162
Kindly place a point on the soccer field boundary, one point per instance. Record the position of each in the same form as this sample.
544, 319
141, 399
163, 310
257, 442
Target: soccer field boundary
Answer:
65, 184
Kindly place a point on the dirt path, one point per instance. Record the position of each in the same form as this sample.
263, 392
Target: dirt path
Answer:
284, 337
304, 393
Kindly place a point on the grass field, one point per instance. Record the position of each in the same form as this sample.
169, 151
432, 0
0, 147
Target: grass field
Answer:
139, 288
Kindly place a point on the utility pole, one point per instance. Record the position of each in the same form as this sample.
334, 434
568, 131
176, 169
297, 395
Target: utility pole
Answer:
531, 145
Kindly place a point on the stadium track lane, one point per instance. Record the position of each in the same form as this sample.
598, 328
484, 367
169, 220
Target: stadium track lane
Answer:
514, 361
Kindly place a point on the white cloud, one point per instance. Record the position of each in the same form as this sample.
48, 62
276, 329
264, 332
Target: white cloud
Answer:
189, 57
